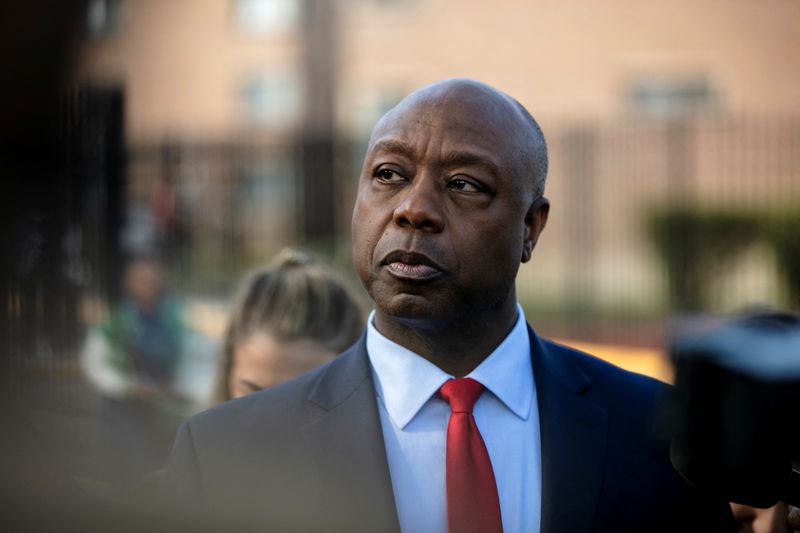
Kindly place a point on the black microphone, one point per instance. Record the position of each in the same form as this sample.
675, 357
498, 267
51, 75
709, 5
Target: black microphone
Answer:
735, 409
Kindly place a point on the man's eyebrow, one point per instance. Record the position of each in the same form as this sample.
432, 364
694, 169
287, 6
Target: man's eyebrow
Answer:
395, 147
455, 159
452, 159
251, 385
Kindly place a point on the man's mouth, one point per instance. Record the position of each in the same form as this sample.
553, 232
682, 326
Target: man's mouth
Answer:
411, 266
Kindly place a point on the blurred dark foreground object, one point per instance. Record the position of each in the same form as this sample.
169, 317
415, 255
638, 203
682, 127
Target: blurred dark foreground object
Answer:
735, 409
38, 494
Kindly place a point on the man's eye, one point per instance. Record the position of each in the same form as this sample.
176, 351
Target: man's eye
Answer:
463, 185
388, 175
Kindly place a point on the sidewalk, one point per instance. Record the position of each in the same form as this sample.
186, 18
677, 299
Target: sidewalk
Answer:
647, 361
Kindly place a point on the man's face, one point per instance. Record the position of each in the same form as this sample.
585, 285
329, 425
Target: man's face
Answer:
442, 216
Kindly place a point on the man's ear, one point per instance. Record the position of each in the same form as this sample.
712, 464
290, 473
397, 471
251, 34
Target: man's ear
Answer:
535, 221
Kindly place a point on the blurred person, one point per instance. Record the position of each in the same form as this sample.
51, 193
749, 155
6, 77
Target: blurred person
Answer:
287, 319
164, 205
168, 213
131, 359
780, 518
450, 413
142, 337
794, 517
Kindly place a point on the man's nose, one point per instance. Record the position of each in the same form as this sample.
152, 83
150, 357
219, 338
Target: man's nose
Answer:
420, 206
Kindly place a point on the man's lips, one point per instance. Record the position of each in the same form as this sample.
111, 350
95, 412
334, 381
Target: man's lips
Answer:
411, 266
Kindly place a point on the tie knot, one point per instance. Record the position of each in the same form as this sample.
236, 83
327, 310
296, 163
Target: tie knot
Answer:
461, 394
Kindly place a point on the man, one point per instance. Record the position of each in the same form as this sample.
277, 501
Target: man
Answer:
450, 202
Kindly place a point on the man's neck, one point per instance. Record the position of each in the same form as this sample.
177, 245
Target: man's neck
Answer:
457, 346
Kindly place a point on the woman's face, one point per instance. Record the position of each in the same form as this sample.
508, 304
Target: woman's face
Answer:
259, 361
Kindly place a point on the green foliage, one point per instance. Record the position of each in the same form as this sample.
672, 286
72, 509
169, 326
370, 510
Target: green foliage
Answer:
781, 230
695, 245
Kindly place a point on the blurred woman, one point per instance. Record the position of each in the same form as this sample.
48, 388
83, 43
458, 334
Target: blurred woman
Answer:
131, 360
286, 319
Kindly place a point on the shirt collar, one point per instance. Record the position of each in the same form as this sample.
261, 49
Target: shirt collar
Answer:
405, 381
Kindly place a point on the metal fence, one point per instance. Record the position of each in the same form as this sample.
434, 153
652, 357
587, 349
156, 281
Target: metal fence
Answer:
597, 259
595, 271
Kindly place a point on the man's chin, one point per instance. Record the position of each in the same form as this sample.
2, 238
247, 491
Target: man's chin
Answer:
415, 311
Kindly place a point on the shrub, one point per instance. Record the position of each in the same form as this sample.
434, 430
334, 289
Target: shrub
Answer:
781, 230
694, 244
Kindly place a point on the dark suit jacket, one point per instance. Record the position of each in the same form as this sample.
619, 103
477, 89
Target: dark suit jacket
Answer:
309, 454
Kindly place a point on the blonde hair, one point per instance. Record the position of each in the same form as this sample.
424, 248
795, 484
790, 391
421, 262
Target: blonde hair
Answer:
293, 299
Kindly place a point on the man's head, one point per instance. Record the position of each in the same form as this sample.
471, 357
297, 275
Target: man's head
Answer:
449, 203
144, 282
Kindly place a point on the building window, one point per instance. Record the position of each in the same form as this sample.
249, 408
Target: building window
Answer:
259, 18
273, 101
664, 97
103, 18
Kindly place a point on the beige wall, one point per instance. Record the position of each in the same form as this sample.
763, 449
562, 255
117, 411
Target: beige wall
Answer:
571, 59
184, 61
184, 64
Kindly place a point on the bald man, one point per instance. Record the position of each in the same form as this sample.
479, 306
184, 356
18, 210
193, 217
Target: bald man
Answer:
450, 413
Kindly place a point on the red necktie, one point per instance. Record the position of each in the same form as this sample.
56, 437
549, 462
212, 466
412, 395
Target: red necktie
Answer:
472, 502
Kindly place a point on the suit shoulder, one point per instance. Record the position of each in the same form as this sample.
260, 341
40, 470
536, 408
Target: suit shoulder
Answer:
624, 394
601, 372
277, 406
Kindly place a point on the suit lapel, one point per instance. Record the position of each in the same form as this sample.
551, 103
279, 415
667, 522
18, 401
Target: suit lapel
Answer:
347, 443
573, 436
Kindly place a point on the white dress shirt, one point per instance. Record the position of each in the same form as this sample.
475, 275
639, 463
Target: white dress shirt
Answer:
414, 422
